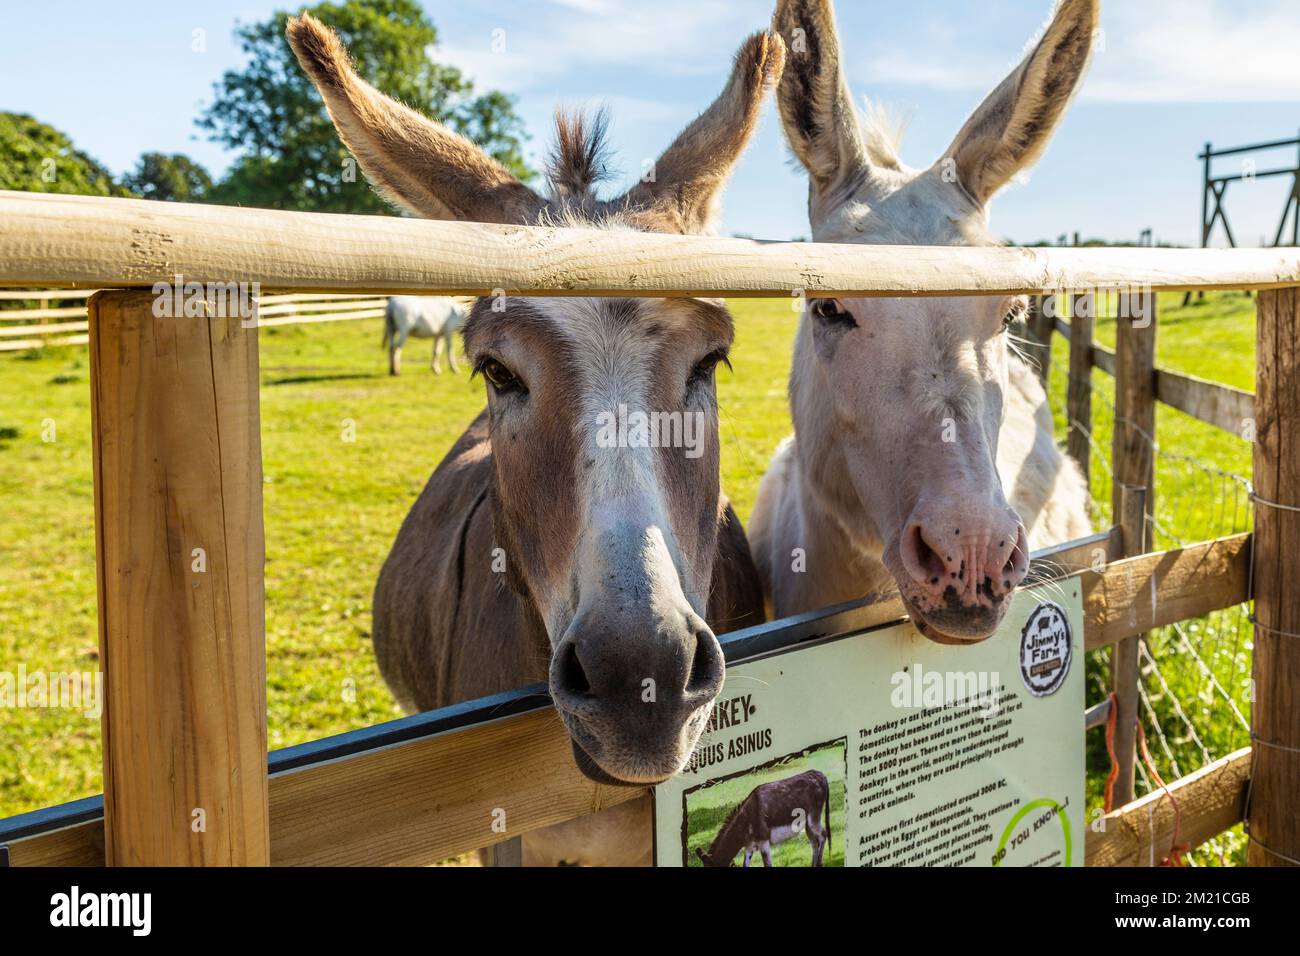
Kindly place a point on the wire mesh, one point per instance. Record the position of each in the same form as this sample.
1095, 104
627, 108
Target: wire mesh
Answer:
1194, 676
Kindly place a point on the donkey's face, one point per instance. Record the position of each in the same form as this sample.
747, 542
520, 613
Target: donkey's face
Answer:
913, 389
605, 457
603, 415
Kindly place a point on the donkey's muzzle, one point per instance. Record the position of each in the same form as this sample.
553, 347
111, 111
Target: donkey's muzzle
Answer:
635, 701
958, 570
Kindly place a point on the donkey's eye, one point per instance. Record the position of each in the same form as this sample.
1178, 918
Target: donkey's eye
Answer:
1017, 312
832, 313
500, 377
705, 366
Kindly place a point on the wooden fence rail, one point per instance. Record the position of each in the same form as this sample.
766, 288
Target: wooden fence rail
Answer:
85, 241
1140, 833
1223, 406
44, 295
273, 310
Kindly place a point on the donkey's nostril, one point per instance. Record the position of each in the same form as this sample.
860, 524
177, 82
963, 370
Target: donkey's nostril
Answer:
923, 563
572, 677
707, 666
1009, 570
1017, 566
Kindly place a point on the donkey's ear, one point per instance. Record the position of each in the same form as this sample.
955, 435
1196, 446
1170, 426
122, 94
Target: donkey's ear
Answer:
425, 167
688, 178
816, 106
1011, 128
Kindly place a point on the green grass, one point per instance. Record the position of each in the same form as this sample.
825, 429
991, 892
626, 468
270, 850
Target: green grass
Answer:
708, 807
332, 508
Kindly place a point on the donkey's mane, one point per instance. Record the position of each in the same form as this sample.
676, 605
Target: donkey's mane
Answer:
730, 820
579, 161
580, 157
882, 133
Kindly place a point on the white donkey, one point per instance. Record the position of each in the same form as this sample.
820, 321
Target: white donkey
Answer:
912, 415
437, 317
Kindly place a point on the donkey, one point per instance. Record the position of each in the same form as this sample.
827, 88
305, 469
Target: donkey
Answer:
437, 317
771, 814
911, 416
537, 551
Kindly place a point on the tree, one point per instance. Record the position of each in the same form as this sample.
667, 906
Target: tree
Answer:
35, 157
292, 157
174, 177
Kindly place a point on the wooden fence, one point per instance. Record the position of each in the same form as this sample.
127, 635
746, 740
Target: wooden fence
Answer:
1139, 385
23, 329
1214, 188
177, 461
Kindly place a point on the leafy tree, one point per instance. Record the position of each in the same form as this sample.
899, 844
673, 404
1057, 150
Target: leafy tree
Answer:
292, 157
36, 157
174, 177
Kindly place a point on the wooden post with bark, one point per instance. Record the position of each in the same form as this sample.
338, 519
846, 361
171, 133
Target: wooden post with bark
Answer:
1271, 817
1132, 497
1078, 395
179, 549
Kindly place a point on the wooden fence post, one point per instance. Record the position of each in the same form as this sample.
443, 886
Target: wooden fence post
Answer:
507, 853
1271, 817
1125, 671
1132, 496
1078, 397
1040, 324
1133, 441
179, 549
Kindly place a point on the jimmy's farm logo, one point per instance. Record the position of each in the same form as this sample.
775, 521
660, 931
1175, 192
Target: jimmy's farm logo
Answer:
1045, 650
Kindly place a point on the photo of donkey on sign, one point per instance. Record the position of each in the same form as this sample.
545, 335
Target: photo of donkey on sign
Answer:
708, 434
786, 813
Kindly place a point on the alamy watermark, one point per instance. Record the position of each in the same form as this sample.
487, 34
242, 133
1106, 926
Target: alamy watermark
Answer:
637, 429
917, 687
1131, 302
133, 911
231, 300
83, 691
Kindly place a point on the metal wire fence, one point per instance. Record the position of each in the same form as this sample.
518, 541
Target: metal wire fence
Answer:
1195, 689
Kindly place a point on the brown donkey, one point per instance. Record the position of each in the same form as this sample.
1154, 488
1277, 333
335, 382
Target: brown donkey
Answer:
771, 814
549, 545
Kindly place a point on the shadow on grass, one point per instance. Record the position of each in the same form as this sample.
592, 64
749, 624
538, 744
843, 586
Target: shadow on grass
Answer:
307, 379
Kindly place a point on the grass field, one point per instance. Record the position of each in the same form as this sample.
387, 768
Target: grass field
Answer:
333, 506
707, 809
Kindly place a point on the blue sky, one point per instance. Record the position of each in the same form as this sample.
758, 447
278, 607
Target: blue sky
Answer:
124, 78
